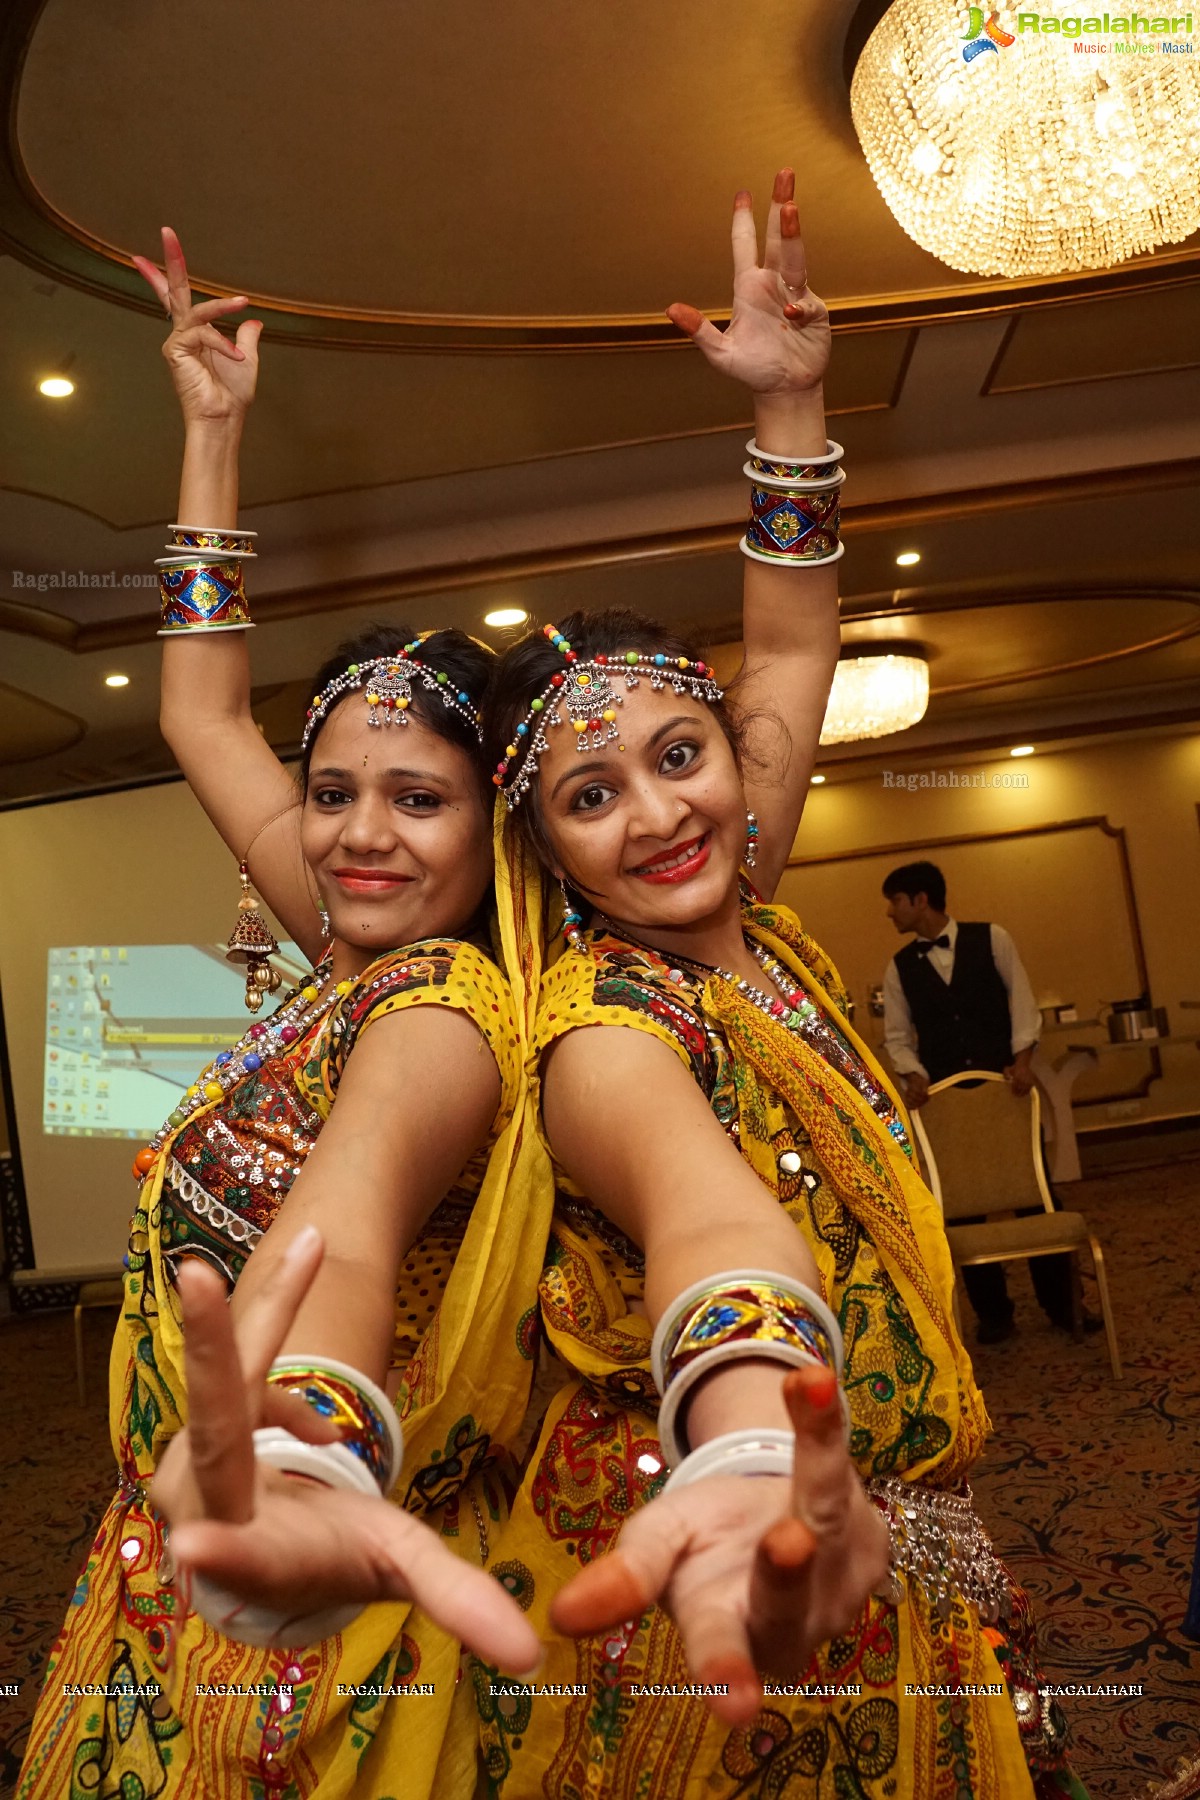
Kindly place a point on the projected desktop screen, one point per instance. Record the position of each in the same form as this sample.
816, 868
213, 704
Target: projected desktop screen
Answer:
116, 994
128, 1026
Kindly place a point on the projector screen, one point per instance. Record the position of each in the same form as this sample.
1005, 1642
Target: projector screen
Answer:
116, 994
129, 1025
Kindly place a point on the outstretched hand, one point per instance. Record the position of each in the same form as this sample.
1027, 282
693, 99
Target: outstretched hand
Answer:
288, 1545
777, 339
756, 1571
214, 376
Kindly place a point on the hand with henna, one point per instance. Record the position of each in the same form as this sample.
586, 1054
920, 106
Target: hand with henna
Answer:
756, 1571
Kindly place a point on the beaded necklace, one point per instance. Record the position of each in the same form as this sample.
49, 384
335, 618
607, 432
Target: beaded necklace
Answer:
260, 1042
792, 1008
797, 1012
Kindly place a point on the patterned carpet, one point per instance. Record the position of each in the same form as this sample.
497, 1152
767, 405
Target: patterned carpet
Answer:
1088, 1488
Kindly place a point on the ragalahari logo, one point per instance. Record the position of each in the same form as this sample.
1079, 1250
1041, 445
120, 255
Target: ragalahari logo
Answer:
983, 37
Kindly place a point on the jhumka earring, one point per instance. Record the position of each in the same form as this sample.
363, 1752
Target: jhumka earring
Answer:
252, 943
324, 912
751, 840
572, 920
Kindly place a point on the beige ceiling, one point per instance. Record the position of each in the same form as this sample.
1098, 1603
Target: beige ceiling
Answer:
466, 225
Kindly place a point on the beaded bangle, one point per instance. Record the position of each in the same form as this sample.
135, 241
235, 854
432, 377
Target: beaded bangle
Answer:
743, 1313
371, 1444
765, 467
198, 596
366, 1461
201, 537
764, 1452
800, 529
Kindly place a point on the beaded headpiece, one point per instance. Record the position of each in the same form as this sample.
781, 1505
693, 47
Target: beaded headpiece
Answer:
389, 683
590, 698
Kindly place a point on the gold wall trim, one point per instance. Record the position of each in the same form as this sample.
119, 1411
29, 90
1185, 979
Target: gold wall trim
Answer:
1093, 822
975, 749
41, 238
992, 388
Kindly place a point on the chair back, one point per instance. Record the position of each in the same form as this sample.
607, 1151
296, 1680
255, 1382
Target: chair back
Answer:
982, 1146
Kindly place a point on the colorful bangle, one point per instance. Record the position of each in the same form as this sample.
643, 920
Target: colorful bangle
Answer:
202, 537
198, 596
763, 466
737, 1453
371, 1449
800, 529
742, 1313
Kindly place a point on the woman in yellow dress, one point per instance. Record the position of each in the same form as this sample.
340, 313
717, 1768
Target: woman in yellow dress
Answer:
732, 1163
268, 1684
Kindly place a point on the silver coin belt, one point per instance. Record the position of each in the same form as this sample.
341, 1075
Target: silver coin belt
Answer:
939, 1545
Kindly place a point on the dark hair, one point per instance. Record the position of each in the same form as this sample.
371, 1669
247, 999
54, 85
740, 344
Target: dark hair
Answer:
468, 665
918, 878
525, 670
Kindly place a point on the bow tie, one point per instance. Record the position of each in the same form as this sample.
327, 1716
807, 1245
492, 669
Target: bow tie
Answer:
925, 945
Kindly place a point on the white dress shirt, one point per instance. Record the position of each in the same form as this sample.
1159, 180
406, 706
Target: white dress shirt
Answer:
899, 1032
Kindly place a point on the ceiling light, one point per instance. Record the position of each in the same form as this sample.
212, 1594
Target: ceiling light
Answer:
874, 694
907, 558
116, 681
1021, 750
56, 387
817, 780
506, 615
1004, 152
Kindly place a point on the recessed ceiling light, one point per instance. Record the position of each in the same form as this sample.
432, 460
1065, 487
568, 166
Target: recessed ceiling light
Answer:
116, 681
56, 387
907, 558
1022, 750
817, 780
506, 615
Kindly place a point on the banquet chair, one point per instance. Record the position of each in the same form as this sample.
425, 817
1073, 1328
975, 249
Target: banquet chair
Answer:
982, 1148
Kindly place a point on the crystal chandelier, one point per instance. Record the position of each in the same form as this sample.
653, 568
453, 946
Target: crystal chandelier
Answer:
874, 695
1009, 151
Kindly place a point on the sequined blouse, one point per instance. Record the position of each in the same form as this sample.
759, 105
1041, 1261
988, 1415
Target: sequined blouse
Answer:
230, 1169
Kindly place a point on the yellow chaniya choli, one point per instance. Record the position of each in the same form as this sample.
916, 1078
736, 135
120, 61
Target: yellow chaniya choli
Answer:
816, 1119
379, 1710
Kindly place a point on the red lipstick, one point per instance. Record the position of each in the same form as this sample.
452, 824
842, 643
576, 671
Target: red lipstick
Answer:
679, 864
368, 881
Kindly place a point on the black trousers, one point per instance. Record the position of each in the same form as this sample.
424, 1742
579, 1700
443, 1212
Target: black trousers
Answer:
987, 1289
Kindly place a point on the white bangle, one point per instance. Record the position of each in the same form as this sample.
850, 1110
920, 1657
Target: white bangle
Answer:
331, 1464
248, 1623
766, 1452
771, 460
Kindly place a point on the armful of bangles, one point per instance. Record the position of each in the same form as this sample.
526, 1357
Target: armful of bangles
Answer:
281, 1560
757, 1569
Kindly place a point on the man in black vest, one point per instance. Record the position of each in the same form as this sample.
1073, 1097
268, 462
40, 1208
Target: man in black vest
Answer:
958, 998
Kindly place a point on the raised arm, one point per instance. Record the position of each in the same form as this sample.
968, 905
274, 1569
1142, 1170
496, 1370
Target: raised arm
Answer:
205, 713
757, 1573
777, 344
